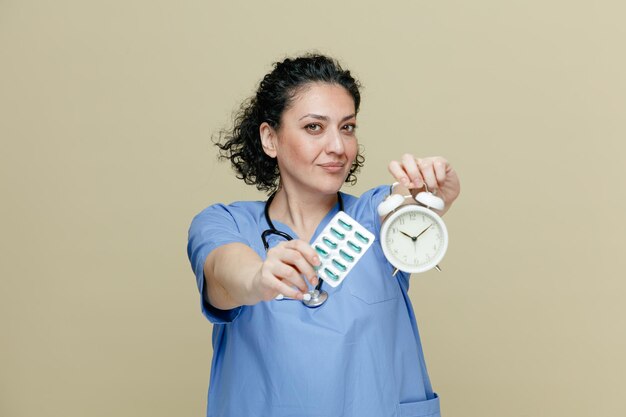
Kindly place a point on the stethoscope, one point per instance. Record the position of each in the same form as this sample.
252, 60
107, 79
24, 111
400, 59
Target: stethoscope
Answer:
317, 296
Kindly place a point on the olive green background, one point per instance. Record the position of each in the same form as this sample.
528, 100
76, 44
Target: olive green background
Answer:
106, 114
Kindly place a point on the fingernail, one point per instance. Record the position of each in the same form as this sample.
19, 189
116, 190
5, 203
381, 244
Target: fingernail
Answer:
405, 182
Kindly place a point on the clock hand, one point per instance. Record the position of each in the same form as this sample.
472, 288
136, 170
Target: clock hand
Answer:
423, 231
409, 236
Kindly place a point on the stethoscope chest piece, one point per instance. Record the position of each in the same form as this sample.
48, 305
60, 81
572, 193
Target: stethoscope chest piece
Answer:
316, 299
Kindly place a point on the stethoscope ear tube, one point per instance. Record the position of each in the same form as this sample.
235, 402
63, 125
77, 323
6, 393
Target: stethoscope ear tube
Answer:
273, 231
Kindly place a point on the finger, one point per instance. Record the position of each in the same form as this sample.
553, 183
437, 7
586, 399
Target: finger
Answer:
440, 166
305, 250
297, 260
272, 283
290, 276
308, 260
280, 287
428, 173
397, 171
410, 167
288, 264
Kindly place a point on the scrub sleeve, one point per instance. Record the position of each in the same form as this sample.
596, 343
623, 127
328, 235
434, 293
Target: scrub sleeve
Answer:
210, 229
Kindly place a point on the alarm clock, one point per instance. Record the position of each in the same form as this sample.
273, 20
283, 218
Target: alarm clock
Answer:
413, 236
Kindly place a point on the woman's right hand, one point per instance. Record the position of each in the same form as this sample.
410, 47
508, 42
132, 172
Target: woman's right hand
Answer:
285, 269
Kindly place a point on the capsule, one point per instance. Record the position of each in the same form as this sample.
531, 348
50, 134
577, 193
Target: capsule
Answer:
337, 233
339, 265
345, 255
321, 251
361, 237
345, 225
354, 247
329, 243
330, 274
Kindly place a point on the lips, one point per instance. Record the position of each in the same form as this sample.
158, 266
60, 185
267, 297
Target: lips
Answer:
332, 167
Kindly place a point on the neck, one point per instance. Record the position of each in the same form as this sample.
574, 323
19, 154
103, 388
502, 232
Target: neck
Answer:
302, 213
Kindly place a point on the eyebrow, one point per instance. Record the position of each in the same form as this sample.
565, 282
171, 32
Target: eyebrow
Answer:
326, 118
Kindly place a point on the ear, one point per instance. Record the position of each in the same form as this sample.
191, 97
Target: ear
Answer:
268, 139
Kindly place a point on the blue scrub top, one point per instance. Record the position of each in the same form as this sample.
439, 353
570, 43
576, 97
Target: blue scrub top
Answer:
359, 354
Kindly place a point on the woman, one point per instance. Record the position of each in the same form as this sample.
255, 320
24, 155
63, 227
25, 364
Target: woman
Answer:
359, 354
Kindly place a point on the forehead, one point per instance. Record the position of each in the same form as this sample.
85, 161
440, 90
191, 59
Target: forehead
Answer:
321, 98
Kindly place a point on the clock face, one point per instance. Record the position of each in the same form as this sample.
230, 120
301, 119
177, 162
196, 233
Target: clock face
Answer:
414, 239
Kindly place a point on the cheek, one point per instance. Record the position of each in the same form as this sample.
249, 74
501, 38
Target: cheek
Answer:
298, 154
352, 149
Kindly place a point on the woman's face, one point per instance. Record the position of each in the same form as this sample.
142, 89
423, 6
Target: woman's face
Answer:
315, 144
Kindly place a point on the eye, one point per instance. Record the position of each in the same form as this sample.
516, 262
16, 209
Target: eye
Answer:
349, 128
313, 127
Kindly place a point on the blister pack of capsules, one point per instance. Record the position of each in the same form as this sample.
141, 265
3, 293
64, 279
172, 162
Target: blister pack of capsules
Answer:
340, 246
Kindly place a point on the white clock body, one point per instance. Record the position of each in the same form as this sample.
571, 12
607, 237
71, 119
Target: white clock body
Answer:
414, 238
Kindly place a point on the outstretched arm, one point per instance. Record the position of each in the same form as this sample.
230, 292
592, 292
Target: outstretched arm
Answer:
235, 275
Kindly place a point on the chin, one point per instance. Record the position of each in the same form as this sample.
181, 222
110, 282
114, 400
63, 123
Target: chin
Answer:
329, 187
324, 184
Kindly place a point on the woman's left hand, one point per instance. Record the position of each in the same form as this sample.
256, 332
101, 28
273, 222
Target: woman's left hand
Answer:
436, 172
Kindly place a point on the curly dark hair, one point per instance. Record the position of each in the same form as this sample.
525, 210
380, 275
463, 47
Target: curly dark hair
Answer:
242, 144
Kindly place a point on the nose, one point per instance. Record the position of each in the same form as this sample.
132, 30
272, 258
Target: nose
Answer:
335, 144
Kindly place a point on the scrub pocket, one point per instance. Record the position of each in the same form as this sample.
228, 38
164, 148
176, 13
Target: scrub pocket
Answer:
428, 408
372, 281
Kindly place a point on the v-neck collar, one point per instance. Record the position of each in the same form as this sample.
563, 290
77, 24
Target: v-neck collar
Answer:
284, 228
